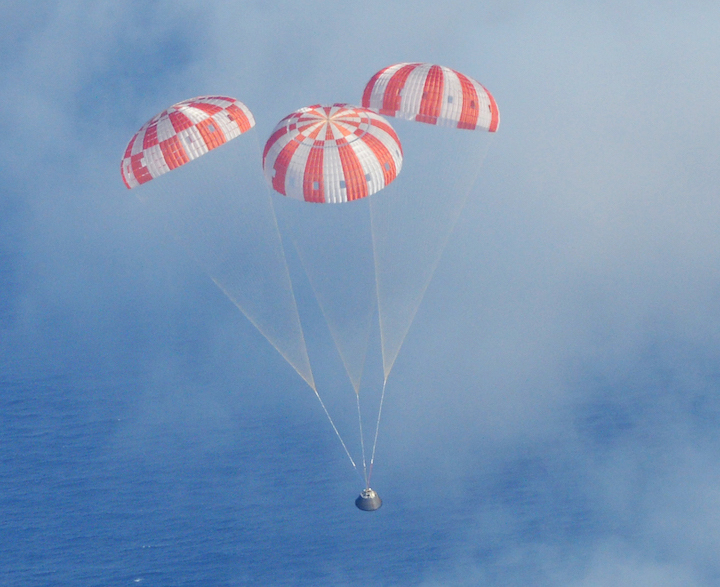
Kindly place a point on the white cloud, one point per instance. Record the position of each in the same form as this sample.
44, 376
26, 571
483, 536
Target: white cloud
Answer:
567, 391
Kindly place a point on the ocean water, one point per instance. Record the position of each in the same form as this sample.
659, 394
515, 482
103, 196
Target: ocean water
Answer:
89, 498
173, 471
103, 485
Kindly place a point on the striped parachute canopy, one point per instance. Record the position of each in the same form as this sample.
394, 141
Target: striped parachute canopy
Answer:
183, 132
432, 94
331, 154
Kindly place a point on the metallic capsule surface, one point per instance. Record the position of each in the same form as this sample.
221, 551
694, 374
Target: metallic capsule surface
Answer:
368, 500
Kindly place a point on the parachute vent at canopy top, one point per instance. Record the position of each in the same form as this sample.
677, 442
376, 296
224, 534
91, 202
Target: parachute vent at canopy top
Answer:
185, 131
432, 94
332, 154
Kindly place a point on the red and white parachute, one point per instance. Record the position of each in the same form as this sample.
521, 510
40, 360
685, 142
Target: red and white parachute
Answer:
183, 132
332, 154
431, 94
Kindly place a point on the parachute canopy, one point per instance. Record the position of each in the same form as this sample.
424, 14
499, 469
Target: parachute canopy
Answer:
432, 94
331, 154
183, 132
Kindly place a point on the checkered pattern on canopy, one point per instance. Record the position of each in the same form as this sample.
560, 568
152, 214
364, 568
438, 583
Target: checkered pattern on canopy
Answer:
183, 132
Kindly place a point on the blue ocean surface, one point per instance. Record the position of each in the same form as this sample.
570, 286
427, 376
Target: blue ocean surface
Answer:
96, 493
117, 477
83, 506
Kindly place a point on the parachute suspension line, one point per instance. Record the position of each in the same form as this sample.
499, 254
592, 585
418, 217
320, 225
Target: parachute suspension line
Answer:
362, 442
377, 292
310, 381
389, 362
347, 452
308, 377
355, 384
333, 329
179, 226
377, 429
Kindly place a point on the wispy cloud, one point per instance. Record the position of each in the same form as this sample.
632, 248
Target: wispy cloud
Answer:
559, 386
